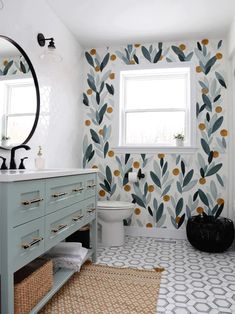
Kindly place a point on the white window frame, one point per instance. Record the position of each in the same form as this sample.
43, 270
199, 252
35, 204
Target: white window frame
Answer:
119, 123
9, 84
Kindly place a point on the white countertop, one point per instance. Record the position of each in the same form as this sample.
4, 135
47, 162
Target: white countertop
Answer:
23, 175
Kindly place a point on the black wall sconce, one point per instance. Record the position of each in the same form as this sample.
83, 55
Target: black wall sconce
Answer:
42, 41
51, 51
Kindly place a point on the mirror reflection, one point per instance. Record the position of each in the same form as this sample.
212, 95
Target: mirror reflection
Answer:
18, 102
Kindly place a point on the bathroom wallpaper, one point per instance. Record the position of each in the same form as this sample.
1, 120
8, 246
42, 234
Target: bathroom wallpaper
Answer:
175, 186
13, 65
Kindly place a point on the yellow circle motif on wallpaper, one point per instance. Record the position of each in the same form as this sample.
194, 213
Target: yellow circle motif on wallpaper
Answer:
205, 41
175, 171
137, 211
198, 69
200, 210
224, 132
111, 153
182, 47
150, 188
136, 164
220, 201
113, 57
202, 126
102, 193
93, 52
127, 187
166, 198
202, 181
116, 173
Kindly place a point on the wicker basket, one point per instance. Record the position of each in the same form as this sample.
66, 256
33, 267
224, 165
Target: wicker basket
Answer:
32, 283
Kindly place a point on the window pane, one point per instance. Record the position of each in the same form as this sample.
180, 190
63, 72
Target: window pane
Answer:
154, 127
155, 92
18, 128
23, 99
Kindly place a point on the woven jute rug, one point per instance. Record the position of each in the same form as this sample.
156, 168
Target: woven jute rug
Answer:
99, 289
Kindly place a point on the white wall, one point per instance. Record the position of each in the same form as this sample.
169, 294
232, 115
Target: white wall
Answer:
60, 126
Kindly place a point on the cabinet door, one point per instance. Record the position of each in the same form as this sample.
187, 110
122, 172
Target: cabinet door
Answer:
26, 242
25, 201
63, 191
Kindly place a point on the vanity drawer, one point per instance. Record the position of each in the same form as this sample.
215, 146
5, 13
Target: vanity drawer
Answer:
62, 223
90, 185
63, 191
25, 201
27, 242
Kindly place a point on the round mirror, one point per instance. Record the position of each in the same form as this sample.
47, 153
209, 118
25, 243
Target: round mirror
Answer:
19, 95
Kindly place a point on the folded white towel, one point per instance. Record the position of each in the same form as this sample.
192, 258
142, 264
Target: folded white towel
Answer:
66, 248
67, 262
70, 261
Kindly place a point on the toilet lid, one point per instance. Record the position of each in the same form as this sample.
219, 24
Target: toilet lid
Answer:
114, 205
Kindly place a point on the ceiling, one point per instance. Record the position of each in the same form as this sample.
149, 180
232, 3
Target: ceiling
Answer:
109, 22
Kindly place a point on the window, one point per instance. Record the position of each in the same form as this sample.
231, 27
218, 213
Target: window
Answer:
154, 105
18, 112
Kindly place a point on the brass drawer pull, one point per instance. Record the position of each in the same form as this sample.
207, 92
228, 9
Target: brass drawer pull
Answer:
36, 200
28, 245
91, 210
78, 190
91, 186
60, 227
59, 194
77, 218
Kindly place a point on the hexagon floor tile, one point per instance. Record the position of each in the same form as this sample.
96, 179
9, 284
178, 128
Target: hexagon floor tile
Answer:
193, 281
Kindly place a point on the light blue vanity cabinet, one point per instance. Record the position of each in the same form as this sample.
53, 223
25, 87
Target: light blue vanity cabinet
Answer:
38, 210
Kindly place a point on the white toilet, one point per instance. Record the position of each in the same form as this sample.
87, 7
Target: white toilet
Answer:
110, 217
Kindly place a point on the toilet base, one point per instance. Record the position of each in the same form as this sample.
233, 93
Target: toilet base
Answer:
112, 234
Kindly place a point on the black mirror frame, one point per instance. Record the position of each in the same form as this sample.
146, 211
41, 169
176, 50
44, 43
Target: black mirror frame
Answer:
36, 88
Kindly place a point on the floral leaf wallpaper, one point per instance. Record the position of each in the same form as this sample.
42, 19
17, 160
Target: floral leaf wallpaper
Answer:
175, 186
13, 65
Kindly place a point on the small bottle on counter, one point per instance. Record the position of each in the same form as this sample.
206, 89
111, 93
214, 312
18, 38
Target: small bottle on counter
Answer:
39, 160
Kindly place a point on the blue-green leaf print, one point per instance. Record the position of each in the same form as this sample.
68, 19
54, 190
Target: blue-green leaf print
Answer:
7, 67
104, 62
138, 200
220, 79
155, 179
89, 59
217, 124
188, 177
179, 206
213, 170
146, 53
159, 212
94, 136
110, 88
85, 100
203, 197
205, 146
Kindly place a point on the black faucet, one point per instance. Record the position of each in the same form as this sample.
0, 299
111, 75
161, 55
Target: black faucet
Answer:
12, 161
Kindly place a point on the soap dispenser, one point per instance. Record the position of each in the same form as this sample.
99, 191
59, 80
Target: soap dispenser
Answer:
39, 160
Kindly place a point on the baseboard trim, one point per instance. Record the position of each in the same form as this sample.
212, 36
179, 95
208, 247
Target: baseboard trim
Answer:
163, 233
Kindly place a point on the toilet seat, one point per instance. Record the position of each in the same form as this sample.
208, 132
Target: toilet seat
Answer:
109, 205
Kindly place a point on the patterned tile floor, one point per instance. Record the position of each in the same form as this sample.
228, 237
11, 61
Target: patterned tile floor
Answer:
193, 281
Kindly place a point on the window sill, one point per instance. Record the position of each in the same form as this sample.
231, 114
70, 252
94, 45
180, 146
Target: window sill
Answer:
155, 149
